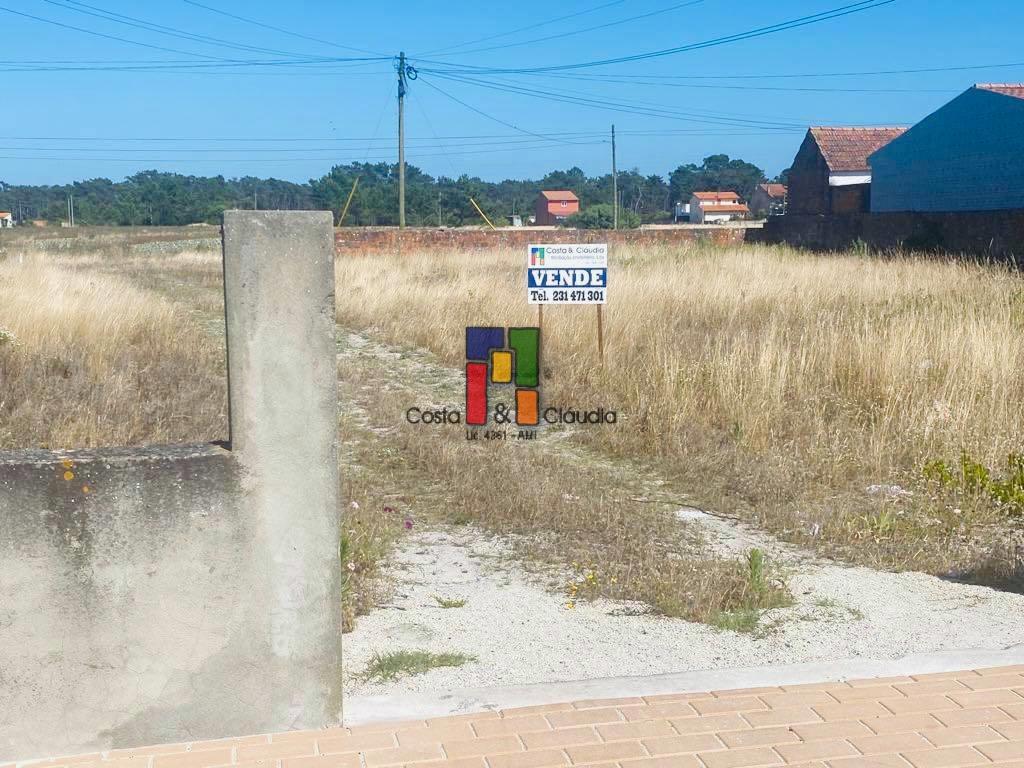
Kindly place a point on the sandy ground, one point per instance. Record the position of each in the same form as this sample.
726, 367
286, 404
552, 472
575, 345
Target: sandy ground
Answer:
521, 632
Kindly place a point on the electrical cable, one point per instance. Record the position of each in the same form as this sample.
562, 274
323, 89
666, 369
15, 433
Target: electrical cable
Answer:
484, 114
527, 28
160, 29
574, 32
279, 29
802, 21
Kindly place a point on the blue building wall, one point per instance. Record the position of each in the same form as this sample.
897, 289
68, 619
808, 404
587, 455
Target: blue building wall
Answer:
967, 156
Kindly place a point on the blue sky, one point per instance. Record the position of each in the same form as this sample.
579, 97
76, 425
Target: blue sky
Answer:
231, 120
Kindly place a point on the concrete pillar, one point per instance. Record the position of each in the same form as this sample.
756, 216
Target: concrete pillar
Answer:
282, 372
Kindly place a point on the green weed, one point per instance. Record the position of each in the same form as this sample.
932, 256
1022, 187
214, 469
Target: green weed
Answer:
449, 602
396, 664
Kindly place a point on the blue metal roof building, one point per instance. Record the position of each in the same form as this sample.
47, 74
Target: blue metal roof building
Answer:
966, 156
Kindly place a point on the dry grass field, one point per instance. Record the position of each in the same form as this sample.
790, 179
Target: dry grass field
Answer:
866, 408
90, 359
869, 407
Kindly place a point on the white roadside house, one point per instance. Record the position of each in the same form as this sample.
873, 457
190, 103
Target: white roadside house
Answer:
714, 207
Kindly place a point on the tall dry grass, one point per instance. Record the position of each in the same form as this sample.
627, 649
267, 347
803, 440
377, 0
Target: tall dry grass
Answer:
771, 381
89, 360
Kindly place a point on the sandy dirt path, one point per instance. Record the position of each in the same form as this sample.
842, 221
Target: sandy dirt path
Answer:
519, 628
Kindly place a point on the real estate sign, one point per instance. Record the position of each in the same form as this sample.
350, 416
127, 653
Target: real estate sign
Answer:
567, 274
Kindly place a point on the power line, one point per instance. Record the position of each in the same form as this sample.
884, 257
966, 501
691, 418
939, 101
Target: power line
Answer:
802, 21
283, 31
527, 28
515, 138
550, 145
625, 107
620, 80
482, 113
764, 119
810, 75
574, 32
160, 29
106, 36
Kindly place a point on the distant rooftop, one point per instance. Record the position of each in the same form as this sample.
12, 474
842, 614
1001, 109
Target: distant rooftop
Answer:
848, 149
1007, 89
717, 196
559, 195
774, 190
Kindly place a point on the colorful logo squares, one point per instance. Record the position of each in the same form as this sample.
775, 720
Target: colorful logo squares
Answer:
496, 357
536, 257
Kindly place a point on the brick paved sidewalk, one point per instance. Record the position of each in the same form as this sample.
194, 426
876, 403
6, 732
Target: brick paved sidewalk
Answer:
924, 721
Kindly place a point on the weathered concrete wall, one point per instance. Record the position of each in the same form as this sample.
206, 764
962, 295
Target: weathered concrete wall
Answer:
159, 595
132, 600
999, 234
367, 240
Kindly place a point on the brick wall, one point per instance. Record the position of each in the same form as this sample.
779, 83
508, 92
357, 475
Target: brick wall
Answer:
369, 240
987, 233
808, 180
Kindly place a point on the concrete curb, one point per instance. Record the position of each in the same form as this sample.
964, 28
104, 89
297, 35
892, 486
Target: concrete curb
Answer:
414, 706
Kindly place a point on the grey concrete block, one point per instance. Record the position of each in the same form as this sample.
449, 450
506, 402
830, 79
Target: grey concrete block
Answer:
282, 382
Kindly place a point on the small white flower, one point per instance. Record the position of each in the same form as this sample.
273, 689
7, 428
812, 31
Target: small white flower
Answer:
354, 505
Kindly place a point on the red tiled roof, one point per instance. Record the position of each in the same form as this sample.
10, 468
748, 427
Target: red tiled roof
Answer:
716, 195
848, 149
774, 190
1007, 89
559, 195
741, 208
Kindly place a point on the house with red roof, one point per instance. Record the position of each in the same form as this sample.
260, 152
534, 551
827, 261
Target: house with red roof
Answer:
716, 207
555, 206
966, 156
831, 174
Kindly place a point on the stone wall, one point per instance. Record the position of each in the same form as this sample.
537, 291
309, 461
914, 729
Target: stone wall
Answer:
367, 240
999, 234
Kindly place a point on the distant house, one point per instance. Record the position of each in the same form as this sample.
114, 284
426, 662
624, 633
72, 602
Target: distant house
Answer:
6, 219
555, 206
831, 173
768, 200
713, 207
966, 156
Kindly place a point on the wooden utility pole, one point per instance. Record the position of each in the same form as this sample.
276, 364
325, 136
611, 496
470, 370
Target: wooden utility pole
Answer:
402, 85
615, 185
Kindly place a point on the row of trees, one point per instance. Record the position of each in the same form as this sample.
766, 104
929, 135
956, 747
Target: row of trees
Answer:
156, 198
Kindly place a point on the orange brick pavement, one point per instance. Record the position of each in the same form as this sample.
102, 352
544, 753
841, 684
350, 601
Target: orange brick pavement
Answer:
945, 720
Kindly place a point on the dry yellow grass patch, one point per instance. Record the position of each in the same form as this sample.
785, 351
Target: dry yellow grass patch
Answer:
771, 381
89, 360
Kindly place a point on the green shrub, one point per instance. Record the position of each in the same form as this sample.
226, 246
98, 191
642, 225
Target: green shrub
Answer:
972, 478
603, 217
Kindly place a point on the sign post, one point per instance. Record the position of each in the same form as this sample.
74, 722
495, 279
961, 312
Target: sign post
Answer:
560, 273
